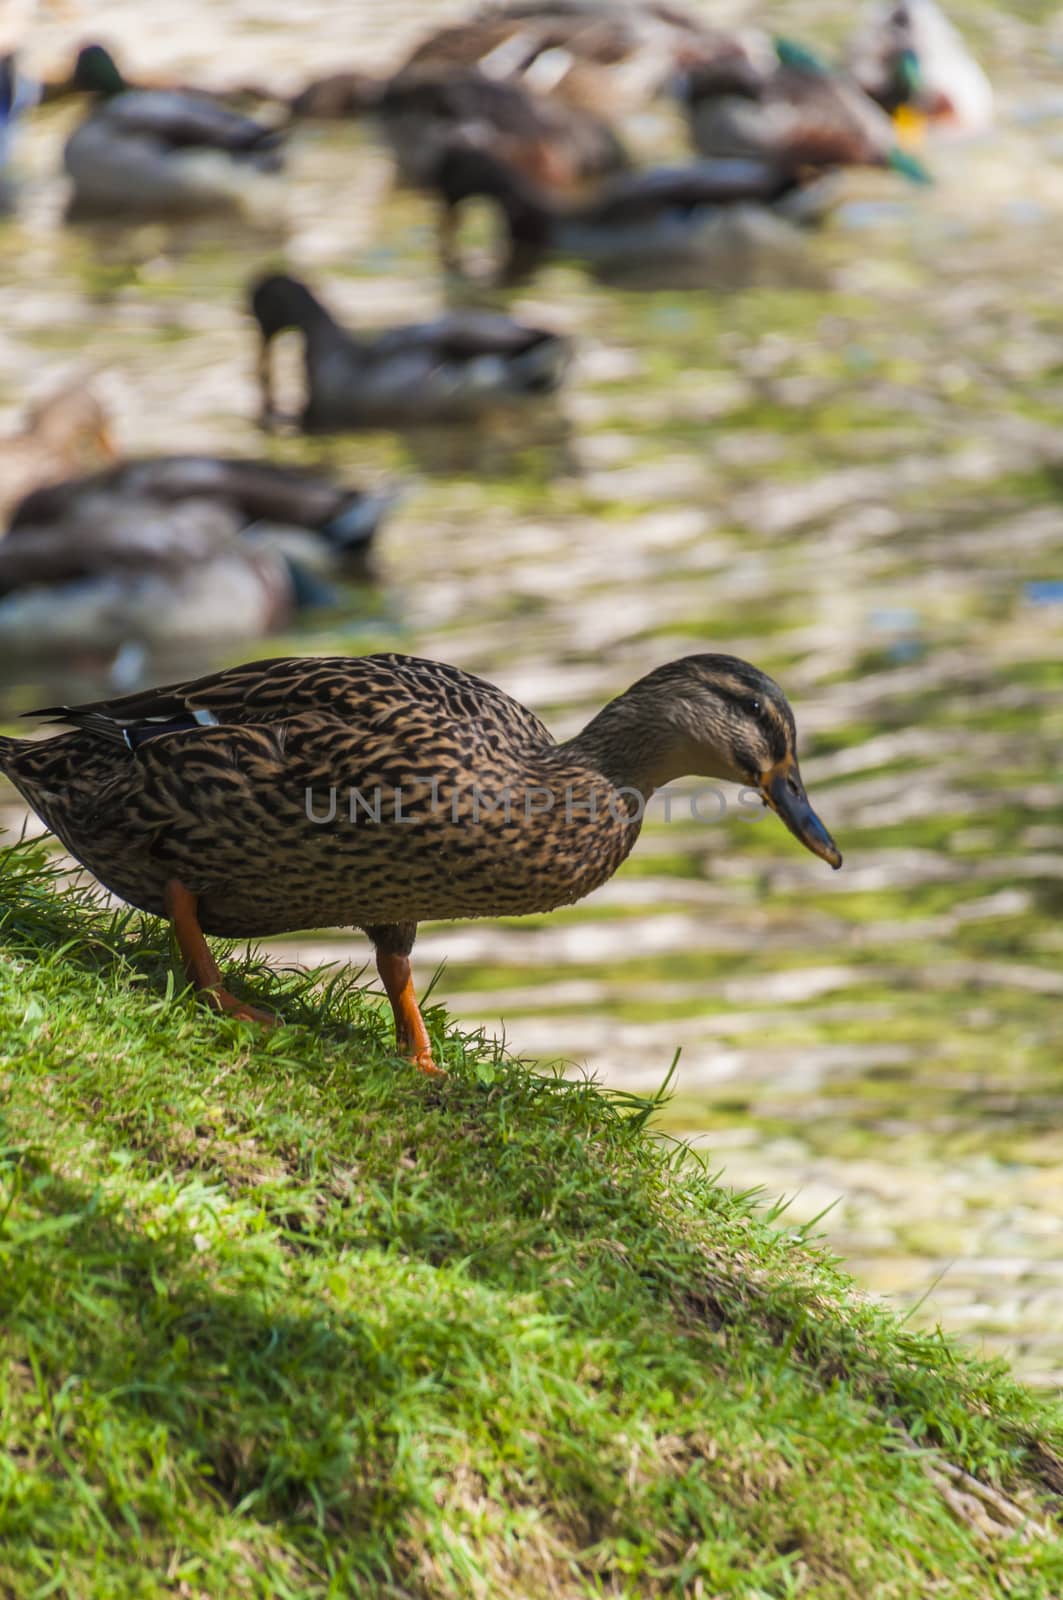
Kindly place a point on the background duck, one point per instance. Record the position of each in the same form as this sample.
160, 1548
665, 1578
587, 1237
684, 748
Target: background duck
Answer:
17, 94
797, 112
321, 525
421, 113
459, 368
162, 152
907, 56
608, 59
218, 791
671, 225
129, 570
66, 432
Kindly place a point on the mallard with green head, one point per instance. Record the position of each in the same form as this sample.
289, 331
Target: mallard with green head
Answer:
908, 57
460, 368
670, 224
162, 152
383, 791
794, 110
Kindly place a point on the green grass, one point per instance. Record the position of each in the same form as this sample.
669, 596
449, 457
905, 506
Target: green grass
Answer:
281, 1317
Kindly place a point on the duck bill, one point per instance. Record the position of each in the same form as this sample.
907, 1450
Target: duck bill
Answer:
781, 789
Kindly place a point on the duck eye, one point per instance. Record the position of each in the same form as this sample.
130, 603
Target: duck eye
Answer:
754, 707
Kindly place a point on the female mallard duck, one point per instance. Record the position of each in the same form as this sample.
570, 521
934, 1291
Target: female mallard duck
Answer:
66, 432
795, 111
174, 550
909, 58
676, 221
460, 368
161, 152
605, 58
421, 113
385, 791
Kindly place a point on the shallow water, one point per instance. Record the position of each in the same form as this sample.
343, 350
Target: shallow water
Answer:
855, 484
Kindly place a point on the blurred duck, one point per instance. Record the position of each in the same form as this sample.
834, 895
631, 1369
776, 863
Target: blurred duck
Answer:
460, 368
136, 574
174, 550
67, 432
424, 111
17, 94
324, 526
666, 220
162, 152
794, 110
337, 95
609, 59
909, 58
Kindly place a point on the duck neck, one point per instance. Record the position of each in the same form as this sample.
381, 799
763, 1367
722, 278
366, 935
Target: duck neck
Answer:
530, 219
97, 73
317, 325
631, 746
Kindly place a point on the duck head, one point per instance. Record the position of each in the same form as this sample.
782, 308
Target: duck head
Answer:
279, 302
709, 716
95, 72
467, 171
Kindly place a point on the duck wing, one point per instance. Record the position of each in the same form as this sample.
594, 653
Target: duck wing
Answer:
463, 336
389, 695
182, 119
254, 489
645, 195
830, 118
140, 536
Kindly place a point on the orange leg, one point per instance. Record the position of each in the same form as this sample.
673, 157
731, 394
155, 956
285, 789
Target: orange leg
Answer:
200, 966
411, 1035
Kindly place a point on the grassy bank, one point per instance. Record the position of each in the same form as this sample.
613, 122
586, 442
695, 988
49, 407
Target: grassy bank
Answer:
278, 1316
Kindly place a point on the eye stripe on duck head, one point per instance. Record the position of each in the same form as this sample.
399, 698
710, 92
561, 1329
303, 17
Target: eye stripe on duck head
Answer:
708, 716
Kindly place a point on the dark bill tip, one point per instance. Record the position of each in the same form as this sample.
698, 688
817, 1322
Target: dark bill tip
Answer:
784, 792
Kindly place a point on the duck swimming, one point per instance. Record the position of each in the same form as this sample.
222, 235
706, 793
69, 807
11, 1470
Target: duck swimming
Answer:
175, 551
382, 791
795, 111
134, 571
458, 369
265, 500
161, 152
907, 56
665, 219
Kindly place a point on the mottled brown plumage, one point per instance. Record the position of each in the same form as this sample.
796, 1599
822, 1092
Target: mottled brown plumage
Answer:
609, 59
424, 112
383, 791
